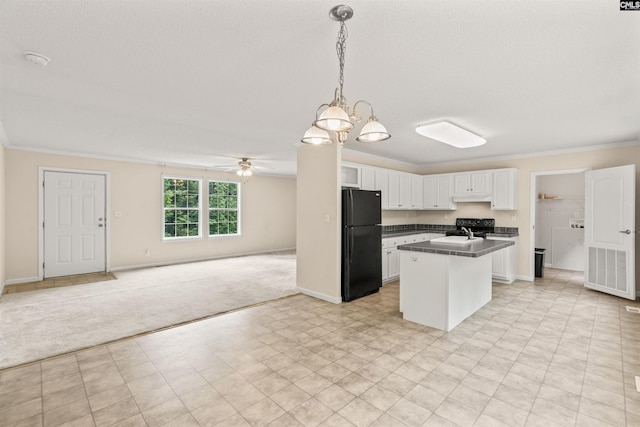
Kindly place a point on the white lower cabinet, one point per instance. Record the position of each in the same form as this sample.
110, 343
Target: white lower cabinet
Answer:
504, 262
391, 255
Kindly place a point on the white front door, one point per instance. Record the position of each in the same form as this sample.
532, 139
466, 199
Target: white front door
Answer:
610, 230
74, 223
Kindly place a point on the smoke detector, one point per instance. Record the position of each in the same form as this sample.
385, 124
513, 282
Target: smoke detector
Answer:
36, 58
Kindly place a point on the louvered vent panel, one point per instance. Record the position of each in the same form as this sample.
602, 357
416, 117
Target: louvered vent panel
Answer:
608, 268
621, 268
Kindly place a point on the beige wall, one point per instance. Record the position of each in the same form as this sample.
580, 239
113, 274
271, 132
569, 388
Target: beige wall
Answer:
318, 241
2, 219
268, 213
596, 159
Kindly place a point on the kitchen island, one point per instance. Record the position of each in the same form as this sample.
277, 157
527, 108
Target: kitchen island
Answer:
441, 284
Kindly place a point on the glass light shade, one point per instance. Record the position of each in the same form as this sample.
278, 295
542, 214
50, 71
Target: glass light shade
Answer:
373, 131
334, 119
244, 172
316, 136
450, 134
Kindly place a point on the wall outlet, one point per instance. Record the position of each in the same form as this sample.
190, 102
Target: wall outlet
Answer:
327, 218
146, 252
513, 217
446, 216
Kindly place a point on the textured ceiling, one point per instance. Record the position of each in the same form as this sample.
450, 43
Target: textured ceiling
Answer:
198, 82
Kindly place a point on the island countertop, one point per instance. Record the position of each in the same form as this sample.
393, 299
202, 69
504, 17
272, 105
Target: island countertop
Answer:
473, 250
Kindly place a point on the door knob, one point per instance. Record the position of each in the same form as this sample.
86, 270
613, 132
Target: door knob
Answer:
100, 225
625, 231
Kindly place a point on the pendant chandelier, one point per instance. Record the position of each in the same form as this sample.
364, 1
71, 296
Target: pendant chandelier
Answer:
336, 116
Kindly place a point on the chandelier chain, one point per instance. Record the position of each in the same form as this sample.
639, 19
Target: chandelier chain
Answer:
341, 47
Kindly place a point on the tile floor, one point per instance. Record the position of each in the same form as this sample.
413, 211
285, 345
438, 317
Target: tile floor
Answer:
58, 282
548, 353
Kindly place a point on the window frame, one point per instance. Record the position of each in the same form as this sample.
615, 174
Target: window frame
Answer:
237, 209
198, 210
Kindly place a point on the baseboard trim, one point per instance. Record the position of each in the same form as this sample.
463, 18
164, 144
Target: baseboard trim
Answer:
22, 280
160, 264
525, 278
319, 295
187, 261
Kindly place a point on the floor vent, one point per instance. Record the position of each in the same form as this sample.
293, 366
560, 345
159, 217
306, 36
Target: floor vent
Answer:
632, 309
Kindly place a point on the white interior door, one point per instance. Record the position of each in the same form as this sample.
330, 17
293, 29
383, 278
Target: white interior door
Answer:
610, 230
74, 223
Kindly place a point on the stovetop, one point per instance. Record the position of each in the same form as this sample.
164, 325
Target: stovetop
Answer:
479, 226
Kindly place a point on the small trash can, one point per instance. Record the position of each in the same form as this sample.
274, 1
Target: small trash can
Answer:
540, 262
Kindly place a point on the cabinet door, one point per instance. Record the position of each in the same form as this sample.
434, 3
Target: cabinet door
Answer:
444, 198
480, 182
394, 263
430, 192
498, 264
382, 184
394, 190
416, 192
503, 194
385, 264
461, 183
404, 198
368, 179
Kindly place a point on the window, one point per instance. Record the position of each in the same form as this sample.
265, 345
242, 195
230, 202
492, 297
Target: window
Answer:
224, 215
181, 208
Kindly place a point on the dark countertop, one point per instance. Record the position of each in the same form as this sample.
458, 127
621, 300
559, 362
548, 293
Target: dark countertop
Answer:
474, 250
503, 234
411, 232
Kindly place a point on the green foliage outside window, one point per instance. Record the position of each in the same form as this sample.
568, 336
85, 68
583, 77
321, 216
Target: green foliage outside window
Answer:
224, 218
181, 207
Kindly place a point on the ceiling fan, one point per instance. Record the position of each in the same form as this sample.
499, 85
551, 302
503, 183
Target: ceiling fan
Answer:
243, 167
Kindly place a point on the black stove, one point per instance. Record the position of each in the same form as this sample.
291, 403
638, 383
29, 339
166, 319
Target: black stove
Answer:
479, 226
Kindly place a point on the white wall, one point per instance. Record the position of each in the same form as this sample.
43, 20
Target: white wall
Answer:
268, 213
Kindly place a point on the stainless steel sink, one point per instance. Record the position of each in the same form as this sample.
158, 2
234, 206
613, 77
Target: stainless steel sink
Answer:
455, 240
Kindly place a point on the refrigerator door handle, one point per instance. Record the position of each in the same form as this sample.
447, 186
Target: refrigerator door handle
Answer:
351, 211
351, 246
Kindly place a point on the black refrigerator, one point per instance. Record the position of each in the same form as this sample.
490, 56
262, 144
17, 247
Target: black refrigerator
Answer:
361, 243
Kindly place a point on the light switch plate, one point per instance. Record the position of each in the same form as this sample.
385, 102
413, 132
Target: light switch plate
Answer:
633, 309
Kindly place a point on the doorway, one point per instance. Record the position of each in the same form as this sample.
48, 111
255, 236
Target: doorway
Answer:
557, 219
73, 237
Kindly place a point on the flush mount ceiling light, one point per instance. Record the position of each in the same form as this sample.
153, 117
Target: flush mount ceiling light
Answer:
451, 134
336, 116
36, 58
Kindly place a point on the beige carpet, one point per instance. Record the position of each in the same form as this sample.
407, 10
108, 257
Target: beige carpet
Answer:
43, 323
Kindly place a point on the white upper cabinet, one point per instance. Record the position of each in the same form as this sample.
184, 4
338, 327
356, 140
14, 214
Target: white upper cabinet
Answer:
416, 192
437, 192
394, 190
407, 191
472, 182
503, 195
368, 178
350, 176
404, 199
381, 182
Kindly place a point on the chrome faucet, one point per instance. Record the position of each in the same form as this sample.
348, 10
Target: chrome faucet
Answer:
468, 231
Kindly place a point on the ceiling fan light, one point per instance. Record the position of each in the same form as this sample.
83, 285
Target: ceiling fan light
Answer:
373, 131
451, 134
334, 119
316, 136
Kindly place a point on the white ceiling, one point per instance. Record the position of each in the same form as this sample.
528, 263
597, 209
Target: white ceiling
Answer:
193, 82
